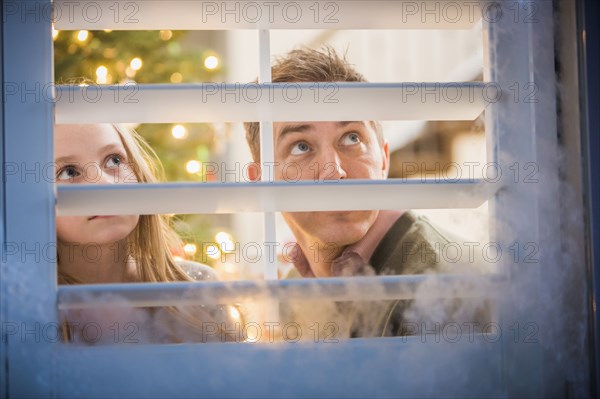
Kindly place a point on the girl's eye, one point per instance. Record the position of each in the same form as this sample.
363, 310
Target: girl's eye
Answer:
351, 139
114, 161
67, 173
300, 148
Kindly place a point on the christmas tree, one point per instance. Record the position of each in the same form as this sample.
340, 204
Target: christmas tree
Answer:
118, 57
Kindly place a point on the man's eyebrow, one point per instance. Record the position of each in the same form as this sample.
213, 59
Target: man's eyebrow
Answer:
294, 129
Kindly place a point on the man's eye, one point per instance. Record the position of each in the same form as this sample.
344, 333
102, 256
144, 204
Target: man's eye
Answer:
300, 148
67, 173
351, 139
114, 161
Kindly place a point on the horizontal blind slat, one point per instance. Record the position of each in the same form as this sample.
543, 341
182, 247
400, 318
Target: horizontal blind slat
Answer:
220, 15
183, 198
236, 102
334, 289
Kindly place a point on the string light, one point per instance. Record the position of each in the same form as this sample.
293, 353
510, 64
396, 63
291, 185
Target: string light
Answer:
107, 30
179, 132
136, 64
55, 33
83, 35
101, 71
234, 313
190, 249
211, 62
193, 167
101, 74
225, 242
166, 34
176, 77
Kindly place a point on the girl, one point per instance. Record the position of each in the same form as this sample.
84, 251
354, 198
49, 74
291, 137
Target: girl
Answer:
123, 248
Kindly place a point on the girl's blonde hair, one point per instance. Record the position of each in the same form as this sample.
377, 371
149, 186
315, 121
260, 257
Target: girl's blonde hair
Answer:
151, 239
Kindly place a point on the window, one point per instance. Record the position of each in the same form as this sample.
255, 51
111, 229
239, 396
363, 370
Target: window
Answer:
523, 356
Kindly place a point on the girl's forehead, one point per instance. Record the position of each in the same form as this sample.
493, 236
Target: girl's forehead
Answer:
71, 140
86, 130
92, 135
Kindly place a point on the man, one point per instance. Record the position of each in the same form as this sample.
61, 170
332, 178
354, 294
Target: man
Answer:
346, 243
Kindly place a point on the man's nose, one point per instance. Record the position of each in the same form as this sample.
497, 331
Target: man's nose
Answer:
330, 166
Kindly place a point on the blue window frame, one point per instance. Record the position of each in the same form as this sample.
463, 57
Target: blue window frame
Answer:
35, 363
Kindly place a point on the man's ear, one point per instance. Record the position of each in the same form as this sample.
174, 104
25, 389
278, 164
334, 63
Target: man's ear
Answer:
386, 159
254, 171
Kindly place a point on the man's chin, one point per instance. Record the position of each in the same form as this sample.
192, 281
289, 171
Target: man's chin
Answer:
346, 216
340, 228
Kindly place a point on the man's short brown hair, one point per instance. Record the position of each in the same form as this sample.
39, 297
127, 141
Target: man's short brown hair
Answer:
307, 65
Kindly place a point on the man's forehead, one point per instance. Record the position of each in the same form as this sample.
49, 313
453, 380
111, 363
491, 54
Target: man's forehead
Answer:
285, 127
